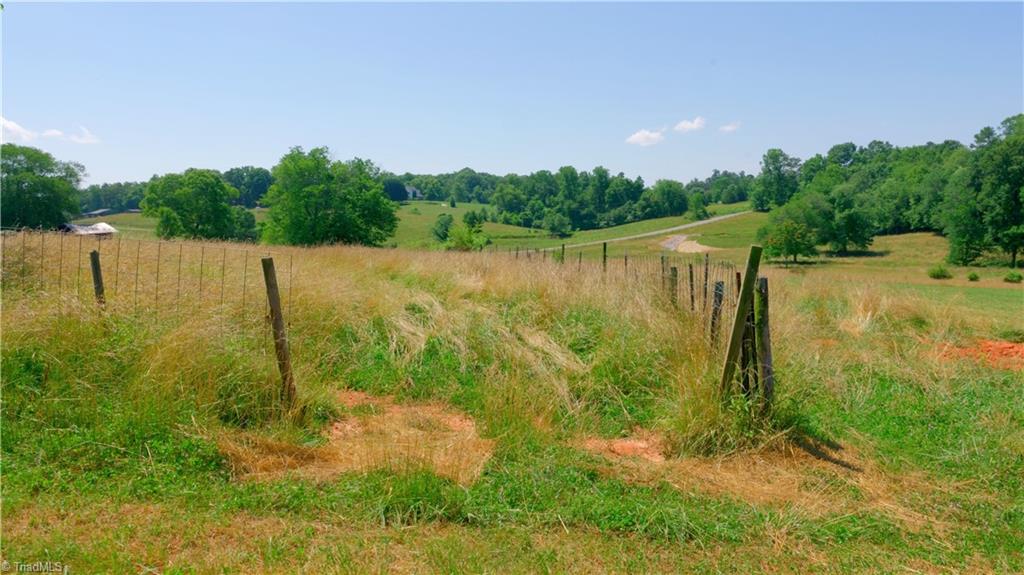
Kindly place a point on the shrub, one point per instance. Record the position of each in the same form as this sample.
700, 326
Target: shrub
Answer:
1013, 277
973, 277
939, 272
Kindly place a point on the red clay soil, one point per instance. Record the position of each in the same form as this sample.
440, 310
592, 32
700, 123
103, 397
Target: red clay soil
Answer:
1001, 354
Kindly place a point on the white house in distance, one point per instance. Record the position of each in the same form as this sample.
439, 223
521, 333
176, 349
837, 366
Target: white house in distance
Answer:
101, 230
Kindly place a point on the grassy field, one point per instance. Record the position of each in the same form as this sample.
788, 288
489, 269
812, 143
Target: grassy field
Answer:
465, 413
417, 218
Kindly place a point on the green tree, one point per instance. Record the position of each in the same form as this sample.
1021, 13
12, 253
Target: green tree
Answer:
442, 225
394, 189
251, 182
557, 224
316, 201
473, 219
789, 239
697, 206
37, 190
463, 238
999, 184
778, 181
200, 201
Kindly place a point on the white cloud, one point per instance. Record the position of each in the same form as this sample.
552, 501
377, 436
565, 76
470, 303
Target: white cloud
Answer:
693, 125
730, 127
84, 136
12, 131
646, 137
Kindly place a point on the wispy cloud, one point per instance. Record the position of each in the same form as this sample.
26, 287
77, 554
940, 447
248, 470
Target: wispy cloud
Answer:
693, 125
730, 127
84, 136
646, 137
15, 132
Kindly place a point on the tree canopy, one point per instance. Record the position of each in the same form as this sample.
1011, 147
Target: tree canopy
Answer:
196, 204
36, 189
315, 200
251, 182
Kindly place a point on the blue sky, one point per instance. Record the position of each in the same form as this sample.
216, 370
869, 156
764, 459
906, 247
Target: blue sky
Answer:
656, 90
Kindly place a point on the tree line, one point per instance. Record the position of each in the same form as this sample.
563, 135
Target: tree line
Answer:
974, 195
568, 199
840, 199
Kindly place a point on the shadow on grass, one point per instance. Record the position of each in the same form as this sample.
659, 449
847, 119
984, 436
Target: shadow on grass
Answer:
823, 449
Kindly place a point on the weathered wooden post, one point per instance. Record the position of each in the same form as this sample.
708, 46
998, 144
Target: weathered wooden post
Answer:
284, 360
693, 296
716, 309
97, 277
673, 284
604, 256
739, 321
764, 343
579, 260
707, 279
517, 252
562, 259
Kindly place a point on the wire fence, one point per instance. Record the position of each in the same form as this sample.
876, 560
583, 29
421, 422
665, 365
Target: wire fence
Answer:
184, 279
164, 278
696, 284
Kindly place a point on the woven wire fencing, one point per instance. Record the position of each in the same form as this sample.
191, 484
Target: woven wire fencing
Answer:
163, 278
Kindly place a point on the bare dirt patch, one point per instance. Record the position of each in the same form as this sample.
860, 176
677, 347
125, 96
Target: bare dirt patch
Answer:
814, 477
683, 245
377, 434
1000, 354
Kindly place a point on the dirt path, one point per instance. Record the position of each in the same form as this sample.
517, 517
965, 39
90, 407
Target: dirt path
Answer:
683, 245
654, 233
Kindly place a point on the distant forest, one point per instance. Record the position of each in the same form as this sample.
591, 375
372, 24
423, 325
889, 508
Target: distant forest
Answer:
841, 198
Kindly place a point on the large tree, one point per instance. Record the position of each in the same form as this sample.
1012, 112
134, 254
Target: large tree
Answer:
195, 204
999, 182
778, 181
251, 182
318, 201
37, 190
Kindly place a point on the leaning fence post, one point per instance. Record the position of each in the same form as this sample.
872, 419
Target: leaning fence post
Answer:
740, 319
284, 360
97, 277
716, 309
764, 342
673, 281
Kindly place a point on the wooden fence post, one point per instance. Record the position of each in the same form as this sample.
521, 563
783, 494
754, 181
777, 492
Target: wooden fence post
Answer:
673, 282
740, 319
693, 296
284, 360
97, 277
579, 261
562, 259
707, 278
764, 343
604, 256
716, 309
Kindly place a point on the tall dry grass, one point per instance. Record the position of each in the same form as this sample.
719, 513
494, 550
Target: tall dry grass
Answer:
560, 349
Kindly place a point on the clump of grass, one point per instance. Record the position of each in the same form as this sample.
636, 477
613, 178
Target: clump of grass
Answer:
1013, 277
973, 277
939, 272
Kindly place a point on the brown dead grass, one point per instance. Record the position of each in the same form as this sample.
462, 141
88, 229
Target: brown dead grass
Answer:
814, 478
382, 435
